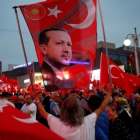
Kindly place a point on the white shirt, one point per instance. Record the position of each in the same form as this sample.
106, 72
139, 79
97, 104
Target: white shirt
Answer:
32, 107
84, 132
4, 101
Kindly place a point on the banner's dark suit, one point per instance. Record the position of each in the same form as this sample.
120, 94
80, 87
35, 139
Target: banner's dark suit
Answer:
52, 79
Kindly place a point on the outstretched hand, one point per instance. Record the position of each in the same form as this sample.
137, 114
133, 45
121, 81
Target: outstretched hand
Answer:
111, 88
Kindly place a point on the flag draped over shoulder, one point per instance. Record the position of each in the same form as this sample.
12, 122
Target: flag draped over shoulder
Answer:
119, 77
16, 125
78, 17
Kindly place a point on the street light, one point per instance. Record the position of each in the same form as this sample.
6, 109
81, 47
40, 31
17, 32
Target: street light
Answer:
127, 42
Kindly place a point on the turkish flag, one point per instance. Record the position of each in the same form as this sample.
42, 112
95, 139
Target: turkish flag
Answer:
119, 77
9, 85
134, 81
80, 72
131, 58
78, 17
15, 125
6, 79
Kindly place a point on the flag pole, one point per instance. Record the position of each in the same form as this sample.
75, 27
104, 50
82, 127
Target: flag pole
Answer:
105, 41
27, 66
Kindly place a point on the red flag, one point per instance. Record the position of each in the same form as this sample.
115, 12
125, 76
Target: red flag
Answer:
77, 17
9, 85
131, 58
6, 79
134, 81
119, 77
16, 125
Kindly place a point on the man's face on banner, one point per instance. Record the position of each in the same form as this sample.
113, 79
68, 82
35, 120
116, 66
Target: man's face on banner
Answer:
58, 50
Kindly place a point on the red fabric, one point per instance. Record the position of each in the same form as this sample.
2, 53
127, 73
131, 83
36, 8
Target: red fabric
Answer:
119, 77
80, 72
15, 99
37, 88
6, 79
9, 85
134, 81
131, 58
84, 38
14, 129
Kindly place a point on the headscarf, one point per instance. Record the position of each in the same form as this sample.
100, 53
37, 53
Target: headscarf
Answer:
122, 104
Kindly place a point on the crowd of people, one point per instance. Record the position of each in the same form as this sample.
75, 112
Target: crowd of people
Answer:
97, 114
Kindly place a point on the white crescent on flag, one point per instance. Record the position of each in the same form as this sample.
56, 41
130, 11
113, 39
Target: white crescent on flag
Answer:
90, 17
1, 106
111, 66
27, 120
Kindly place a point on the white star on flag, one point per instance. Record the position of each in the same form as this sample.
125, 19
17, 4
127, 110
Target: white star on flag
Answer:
1, 107
54, 11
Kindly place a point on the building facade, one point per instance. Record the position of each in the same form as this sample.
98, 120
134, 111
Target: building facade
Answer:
124, 54
20, 74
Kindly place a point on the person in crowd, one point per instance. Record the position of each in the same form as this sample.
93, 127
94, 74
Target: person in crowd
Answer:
46, 102
137, 117
83, 102
60, 102
102, 123
21, 99
4, 99
67, 95
16, 102
124, 111
72, 124
121, 105
92, 92
118, 130
54, 107
55, 45
38, 115
29, 107
73, 93
101, 92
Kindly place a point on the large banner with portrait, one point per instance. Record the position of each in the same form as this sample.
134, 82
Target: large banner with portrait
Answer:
65, 37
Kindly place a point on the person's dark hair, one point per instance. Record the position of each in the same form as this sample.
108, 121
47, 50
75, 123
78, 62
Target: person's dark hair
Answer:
115, 94
67, 95
5, 94
71, 112
139, 91
28, 95
44, 39
94, 102
73, 91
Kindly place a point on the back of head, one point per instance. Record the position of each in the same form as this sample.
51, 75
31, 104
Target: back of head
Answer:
53, 94
4, 95
71, 112
73, 91
94, 102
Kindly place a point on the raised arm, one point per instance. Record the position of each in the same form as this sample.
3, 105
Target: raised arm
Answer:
40, 107
105, 101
